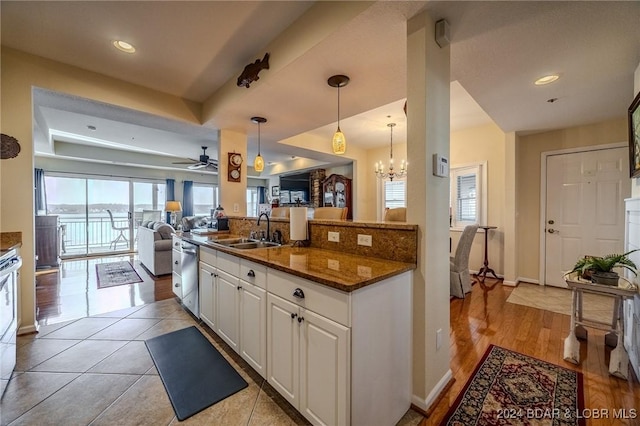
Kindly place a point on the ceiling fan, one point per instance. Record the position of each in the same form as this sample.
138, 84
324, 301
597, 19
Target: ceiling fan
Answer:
202, 162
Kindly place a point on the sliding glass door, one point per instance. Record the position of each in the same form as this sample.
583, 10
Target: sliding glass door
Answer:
99, 216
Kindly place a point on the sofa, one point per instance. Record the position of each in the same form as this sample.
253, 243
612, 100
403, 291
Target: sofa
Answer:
154, 246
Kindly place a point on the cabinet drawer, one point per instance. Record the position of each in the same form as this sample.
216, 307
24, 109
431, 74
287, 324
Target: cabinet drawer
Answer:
208, 256
331, 303
176, 243
228, 263
253, 273
176, 285
176, 265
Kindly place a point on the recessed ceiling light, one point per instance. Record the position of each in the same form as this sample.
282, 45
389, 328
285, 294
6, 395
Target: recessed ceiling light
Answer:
124, 46
546, 79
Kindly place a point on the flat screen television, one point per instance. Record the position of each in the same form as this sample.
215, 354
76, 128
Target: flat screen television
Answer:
298, 186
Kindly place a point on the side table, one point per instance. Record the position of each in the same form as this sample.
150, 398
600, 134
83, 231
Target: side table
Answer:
619, 358
484, 270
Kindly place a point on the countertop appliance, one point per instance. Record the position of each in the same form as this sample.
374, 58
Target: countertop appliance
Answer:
10, 264
189, 260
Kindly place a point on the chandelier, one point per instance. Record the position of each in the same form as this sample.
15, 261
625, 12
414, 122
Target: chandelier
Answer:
391, 173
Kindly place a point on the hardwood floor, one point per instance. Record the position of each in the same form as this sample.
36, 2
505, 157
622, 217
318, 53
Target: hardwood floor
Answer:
484, 317
71, 291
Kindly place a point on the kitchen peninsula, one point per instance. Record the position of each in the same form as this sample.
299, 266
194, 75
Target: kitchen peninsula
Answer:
330, 330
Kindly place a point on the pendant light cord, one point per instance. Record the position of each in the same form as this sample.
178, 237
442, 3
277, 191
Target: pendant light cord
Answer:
338, 108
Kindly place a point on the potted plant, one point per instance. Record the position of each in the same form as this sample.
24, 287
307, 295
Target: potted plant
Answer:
600, 269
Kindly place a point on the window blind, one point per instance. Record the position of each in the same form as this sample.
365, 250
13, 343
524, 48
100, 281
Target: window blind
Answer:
394, 194
467, 202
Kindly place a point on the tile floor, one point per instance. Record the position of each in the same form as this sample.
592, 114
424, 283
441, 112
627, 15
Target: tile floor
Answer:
97, 370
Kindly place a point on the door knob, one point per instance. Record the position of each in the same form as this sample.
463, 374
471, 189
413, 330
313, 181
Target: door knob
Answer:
551, 222
553, 231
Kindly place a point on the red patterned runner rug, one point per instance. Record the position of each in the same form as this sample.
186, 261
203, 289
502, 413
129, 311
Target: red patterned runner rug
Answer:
509, 388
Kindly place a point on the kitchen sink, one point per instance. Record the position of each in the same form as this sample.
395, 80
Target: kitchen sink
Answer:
254, 244
245, 243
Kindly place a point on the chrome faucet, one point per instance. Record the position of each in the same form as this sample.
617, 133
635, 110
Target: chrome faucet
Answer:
268, 223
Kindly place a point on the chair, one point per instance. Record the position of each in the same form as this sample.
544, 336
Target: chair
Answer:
120, 230
280, 212
336, 213
459, 277
399, 214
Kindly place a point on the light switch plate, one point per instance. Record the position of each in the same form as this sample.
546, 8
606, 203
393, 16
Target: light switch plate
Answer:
334, 237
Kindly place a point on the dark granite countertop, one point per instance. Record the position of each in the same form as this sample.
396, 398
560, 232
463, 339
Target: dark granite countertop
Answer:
342, 271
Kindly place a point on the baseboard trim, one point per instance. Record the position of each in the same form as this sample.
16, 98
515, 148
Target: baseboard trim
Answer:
510, 283
527, 280
425, 406
29, 329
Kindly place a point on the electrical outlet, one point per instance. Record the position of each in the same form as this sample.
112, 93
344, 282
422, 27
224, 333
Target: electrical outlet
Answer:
334, 237
236, 207
364, 240
333, 264
438, 338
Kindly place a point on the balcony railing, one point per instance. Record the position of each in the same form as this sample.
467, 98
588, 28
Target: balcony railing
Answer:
96, 235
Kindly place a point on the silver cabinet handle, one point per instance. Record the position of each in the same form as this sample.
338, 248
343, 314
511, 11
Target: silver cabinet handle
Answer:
177, 285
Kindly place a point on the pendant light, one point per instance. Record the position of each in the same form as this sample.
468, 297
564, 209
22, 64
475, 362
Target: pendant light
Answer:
339, 143
258, 163
391, 174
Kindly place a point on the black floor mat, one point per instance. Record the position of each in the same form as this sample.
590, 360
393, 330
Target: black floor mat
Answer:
194, 373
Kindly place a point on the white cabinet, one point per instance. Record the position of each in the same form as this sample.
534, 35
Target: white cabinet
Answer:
228, 302
206, 282
632, 306
176, 268
253, 326
308, 359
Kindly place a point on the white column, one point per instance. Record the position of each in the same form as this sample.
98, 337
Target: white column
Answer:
510, 203
233, 195
428, 85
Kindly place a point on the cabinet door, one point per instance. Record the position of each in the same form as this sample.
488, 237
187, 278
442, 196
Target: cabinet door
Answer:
283, 347
176, 285
253, 326
324, 370
228, 300
206, 281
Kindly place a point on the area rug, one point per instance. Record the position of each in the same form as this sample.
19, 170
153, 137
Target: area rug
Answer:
509, 388
193, 372
554, 299
116, 273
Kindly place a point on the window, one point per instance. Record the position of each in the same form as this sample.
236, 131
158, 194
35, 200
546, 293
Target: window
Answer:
252, 201
395, 194
468, 195
205, 198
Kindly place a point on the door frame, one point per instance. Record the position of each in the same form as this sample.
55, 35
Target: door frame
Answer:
543, 195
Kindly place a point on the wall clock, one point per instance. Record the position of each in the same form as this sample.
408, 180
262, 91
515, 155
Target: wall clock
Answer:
235, 162
10, 148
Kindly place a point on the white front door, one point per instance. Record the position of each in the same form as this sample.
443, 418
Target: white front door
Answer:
585, 194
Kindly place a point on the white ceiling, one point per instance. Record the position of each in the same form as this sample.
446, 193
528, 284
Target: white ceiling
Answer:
196, 50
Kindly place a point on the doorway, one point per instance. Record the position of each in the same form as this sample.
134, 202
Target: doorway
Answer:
583, 211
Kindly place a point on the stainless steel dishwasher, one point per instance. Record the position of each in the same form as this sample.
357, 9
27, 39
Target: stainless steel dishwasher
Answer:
189, 260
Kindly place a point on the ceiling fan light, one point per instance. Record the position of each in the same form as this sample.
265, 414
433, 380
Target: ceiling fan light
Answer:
258, 163
339, 143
